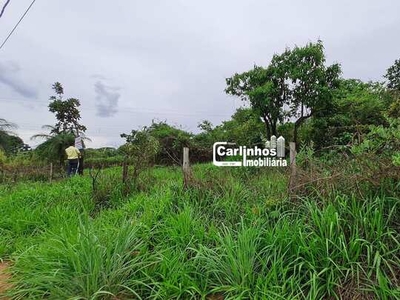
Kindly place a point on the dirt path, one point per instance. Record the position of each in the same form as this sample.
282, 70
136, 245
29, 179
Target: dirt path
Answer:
4, 278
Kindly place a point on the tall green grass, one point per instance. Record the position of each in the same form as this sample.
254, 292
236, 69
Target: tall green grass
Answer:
235, 237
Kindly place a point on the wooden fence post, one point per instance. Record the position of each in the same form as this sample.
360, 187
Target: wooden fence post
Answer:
124, 170
293, 170
186, 167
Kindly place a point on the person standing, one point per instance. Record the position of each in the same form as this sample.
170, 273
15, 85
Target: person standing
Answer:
73, 155
79, 144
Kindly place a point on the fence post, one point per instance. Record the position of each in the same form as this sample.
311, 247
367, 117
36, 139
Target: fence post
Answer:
124, 170
293, 170
51, 172
186, 167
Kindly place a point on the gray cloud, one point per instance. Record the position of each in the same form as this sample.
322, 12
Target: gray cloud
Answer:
9, 77
98, 77
106, 100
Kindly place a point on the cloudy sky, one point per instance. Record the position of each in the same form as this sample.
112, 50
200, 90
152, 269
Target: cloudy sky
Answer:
133, 61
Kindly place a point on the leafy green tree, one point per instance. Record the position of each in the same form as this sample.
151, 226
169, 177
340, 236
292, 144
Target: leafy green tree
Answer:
6, 126
140, 149
355, 106
171, 140
46, 136
296, 84
312, 83
9, 142
12, 144
381, 141
244, 128
393, 85
394, 109
393, 76
66, 112
266, 89
53, 149
62, 134
205, 126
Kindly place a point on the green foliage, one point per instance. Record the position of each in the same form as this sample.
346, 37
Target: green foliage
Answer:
66, 112
237, 239
313, 83
356, 105
103, 157
244, 128
393, 76
140, 146
381, 141
11, 143
171, 141
53, 149
296, 84
286, 130
266, 91
140, 150
3, 159
63, 133
394, 109
6, 127
97, 263
104, 152
98, 162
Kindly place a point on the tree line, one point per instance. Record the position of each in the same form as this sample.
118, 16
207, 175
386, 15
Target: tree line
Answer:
296, 95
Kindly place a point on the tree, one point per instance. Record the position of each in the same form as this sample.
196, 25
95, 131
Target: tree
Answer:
244, 128
12, 144
393, 85
355, 106
171, 140
296, 84
393, 76
7, 127
266, 90
312, 83
140, 150
62, 134
9, 142
66, 112
53, 149
205, 126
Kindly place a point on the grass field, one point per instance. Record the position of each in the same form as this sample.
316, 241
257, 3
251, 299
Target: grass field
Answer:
233, 236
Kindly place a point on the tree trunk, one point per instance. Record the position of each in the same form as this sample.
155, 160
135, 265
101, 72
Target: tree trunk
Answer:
267, 127
297, 124
295, 133
274, 128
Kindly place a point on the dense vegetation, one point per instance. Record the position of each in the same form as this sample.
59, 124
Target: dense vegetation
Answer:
236, 236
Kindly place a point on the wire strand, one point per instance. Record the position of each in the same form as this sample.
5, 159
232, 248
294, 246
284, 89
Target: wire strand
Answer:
16, 25
4, 8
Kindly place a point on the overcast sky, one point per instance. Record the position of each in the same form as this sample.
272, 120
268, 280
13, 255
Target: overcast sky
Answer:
133, 61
